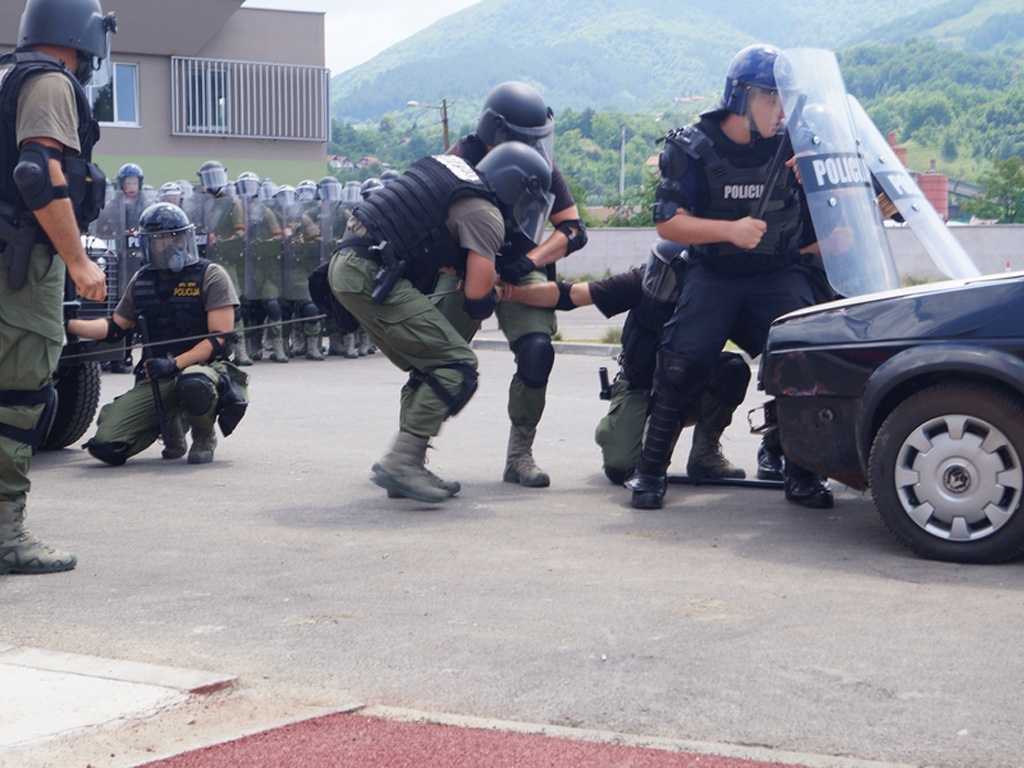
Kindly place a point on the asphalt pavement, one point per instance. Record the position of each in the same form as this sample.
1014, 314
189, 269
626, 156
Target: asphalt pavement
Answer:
279, 585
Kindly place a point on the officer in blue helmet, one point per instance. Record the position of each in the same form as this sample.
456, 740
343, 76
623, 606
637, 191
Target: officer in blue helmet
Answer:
744, 272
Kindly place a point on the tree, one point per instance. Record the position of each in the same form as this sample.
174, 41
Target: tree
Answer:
1004, 192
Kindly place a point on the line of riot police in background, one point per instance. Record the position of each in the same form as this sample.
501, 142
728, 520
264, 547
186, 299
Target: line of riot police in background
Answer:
268, 238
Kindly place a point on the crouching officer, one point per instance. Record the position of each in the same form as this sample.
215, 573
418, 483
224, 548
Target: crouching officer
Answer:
188, 305
440, 214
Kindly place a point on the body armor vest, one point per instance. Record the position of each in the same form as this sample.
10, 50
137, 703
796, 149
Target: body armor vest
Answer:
86, 182
410, 212
172, 303
735, 192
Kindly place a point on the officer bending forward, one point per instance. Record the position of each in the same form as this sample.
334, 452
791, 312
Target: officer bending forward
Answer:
181, 298
440, 214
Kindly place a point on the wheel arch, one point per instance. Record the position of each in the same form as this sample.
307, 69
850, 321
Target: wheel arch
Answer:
925, 366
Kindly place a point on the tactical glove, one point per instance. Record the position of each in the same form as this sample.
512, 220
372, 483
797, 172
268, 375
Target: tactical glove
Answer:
160, 367
514, 271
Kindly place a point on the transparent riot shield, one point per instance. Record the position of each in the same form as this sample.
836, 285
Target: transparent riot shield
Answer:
225, 235
333, 222
269, 222
835, 178
194, 206
310, 227
251, 209
917, 212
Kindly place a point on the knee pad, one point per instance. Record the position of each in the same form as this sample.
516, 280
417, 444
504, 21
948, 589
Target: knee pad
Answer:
114, 454
730, 382
309, 310
195, 393
47, 397
456, 402
534, 359
273, 307
678, 379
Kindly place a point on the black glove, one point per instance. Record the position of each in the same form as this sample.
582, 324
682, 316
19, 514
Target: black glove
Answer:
514, 271
160, 367
481, 309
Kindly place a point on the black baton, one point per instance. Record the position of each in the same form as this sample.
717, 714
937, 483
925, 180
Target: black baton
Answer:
785, 148
157, 400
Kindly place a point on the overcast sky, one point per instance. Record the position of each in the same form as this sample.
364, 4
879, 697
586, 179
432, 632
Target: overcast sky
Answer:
357, 30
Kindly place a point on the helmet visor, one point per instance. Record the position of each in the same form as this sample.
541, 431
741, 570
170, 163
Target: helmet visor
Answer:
661, 282
170, 251
532, 211
541, 138
213, 179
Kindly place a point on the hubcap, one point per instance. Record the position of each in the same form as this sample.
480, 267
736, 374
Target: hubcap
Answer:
959, 477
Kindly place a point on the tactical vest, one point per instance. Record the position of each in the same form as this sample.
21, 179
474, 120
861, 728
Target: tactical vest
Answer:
735, 192
86, 182
172, 303
411, 211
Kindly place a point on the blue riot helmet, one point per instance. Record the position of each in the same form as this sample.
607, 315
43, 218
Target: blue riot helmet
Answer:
77, 24
127, 170
753, 67
520, 177
515, 111
167, 238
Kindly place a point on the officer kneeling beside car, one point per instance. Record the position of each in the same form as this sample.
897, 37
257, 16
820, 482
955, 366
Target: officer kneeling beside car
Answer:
188, 306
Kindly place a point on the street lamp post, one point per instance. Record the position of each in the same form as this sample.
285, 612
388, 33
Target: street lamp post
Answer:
443, 108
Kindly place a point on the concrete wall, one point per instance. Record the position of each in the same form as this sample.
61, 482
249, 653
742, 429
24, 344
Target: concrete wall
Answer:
613, 250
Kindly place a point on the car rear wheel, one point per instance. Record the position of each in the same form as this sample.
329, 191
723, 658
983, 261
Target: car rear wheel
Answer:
946, 474
78, 397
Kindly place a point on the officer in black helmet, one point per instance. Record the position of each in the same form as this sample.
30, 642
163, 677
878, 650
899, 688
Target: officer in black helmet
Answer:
440, 214
745, 272
50, 191
189, 307
515, 111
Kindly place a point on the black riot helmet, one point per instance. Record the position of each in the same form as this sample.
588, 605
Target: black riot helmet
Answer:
664, 268
370, 186
77, 24
521, 177
213, 176
753, 67
515, 111
167, 238
388, 176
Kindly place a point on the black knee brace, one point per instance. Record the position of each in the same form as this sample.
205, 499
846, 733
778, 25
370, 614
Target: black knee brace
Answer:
47, 397
730, 382
456, 402
195, 393
534, 359
309, 310
273, 307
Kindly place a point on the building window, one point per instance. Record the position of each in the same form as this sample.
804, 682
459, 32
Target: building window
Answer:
249, 100
117, 102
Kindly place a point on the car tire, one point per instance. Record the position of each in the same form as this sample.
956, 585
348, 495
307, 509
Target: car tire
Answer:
946, 473
78, 397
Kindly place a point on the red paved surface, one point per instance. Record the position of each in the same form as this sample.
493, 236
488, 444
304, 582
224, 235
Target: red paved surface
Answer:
354, 740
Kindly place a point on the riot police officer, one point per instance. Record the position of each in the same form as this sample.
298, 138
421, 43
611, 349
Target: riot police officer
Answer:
389, 256
515, 111
49, 192
188, 304
307, 252
746, 271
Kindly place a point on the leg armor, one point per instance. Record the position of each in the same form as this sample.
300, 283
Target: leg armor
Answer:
47, 397
195, 394
534, 359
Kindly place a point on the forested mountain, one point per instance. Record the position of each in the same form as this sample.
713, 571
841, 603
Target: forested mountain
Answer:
634, 56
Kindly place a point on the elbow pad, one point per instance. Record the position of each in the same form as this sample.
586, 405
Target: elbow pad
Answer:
115, 332
32, 176
564, 296
482, 308
576, 232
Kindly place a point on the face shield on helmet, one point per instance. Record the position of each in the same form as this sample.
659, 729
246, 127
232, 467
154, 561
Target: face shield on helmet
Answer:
750, 89
661, 275
267, 190
330, 188
170, 193
352, 193
213, 176
305, 192
285, 195
520, 177
167, 239
248, 185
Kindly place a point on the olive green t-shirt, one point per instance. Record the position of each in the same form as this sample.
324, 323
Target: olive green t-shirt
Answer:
46, 107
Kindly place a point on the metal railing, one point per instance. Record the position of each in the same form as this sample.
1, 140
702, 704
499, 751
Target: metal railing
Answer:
249, 100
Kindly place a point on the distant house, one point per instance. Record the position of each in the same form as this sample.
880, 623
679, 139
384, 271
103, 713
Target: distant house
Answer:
341, 163
198, 80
